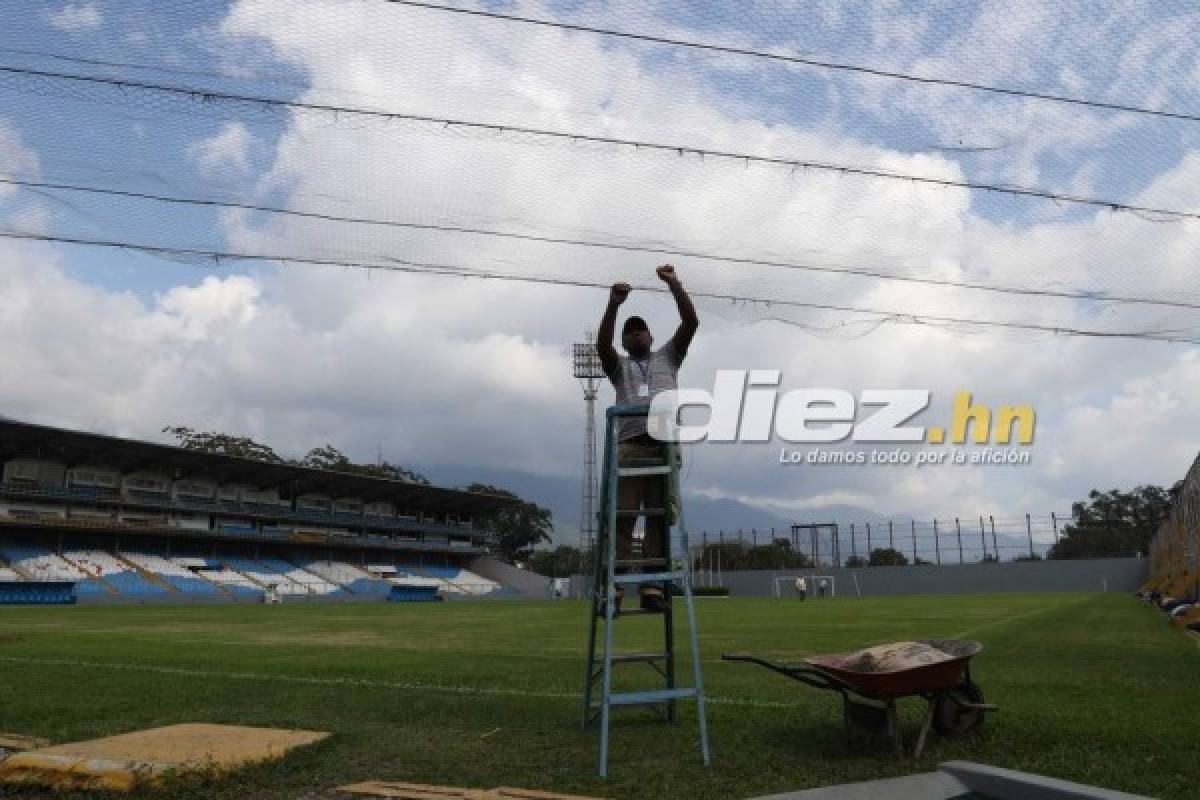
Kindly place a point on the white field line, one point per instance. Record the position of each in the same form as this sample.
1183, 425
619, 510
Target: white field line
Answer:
358, 682
1019, 617
556, 654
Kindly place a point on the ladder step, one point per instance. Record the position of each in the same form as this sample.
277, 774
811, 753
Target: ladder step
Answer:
645, 462
633, 612
650, 577
641, 562
631, 658
650, 697
639, 512
637, 472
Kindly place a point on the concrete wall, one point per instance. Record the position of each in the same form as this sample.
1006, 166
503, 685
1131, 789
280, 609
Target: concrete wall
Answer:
527, 584
172, 598
185, 599
1082, 575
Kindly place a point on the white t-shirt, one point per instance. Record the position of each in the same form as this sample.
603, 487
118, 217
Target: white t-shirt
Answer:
658, 373
801, 585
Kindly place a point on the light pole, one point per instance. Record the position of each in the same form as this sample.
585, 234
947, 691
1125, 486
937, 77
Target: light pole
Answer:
589, 371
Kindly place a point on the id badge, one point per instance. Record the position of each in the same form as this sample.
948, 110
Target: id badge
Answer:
643, 390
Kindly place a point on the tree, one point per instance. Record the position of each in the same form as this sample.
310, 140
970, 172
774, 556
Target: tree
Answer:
327, 457
856, 561
330, 458
560, 562
734, 555
223, 443
1115, 524
519, 527
887, 557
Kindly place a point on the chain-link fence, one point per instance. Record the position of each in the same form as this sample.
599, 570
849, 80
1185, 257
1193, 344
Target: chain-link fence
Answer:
957, 540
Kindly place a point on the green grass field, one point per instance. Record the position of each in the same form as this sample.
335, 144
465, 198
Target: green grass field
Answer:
1093, 688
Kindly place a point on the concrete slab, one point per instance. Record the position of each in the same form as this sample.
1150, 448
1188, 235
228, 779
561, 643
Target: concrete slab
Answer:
958, 779
120, 762
420, 791
923, 786
1006, 783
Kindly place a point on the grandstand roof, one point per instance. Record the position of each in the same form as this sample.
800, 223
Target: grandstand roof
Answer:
26, 440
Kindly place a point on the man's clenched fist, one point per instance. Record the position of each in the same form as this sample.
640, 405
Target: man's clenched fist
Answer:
618, 293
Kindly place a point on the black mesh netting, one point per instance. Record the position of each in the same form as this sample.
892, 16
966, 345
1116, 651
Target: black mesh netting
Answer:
1015, 169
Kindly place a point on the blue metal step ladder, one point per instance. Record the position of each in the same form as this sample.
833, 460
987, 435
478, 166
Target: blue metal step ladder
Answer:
668, 570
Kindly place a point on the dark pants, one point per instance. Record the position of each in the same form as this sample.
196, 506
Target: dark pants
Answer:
642, 492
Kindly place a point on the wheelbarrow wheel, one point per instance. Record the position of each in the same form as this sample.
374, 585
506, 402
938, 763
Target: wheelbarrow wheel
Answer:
953, 714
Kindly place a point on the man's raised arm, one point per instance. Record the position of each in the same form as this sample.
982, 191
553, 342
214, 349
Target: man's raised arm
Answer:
608, 324
688, 321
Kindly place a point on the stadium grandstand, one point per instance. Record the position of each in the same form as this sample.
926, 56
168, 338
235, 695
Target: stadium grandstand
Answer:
92, 518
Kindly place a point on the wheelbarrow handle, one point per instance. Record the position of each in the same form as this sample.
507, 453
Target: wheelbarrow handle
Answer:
804, 673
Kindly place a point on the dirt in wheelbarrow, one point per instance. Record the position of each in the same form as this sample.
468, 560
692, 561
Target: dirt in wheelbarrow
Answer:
890, 657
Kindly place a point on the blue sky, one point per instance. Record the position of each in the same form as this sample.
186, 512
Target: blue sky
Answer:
180, 43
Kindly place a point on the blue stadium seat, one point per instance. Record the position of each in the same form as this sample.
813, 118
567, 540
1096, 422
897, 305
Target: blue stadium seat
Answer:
446, 573
413, 594
90, 588
28, 593
130, 582
369, 587
191, 585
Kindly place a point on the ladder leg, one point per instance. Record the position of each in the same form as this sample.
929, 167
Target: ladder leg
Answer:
590, 664
697, 673
610, 549
606, 700
669, 649
598, 561
701, 715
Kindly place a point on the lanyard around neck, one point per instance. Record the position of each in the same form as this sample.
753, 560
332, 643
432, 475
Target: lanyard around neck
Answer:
644, 369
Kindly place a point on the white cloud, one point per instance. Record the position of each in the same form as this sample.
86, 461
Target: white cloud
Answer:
215, 302
785, 506
76, 17
225, 152
16, 159
427, 175
219, 355
450, 370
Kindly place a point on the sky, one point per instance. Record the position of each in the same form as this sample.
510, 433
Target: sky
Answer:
436, 369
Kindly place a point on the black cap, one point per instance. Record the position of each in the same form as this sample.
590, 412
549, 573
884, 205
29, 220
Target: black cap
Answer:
634, 324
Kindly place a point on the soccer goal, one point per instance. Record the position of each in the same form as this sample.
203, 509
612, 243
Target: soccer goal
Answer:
785, 585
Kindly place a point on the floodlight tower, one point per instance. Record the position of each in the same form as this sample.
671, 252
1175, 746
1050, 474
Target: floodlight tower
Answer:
589, 371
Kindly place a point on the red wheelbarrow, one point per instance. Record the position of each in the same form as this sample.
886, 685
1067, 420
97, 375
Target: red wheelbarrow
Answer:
955, 702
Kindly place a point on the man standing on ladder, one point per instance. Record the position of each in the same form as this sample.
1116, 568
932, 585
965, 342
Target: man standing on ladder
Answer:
637, 378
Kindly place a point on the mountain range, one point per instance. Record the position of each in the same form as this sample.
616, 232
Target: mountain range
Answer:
710, 518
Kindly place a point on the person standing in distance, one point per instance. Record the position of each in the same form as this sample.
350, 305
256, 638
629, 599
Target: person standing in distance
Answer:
637, 377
